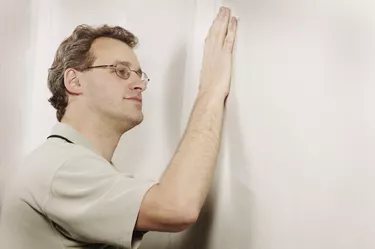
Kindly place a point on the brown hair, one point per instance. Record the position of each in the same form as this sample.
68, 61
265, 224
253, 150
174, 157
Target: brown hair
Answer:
74, 52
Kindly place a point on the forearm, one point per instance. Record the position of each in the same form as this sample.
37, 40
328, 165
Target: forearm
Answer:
188, 178
174, 203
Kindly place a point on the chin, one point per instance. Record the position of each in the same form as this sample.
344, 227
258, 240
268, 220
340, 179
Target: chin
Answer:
138, 121
134, 120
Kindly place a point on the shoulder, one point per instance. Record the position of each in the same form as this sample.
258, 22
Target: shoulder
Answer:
33, 178
50, 156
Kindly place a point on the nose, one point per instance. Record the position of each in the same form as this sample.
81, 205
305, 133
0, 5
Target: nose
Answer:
138, 85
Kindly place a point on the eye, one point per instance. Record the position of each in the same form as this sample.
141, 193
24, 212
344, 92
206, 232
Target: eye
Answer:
123, 71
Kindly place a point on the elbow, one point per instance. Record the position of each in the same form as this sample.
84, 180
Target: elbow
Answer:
183, 219
161, 214
188, 218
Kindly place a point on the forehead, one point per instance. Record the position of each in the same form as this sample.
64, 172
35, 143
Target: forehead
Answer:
108, 51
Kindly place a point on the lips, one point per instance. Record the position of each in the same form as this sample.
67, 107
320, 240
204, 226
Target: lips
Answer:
135, 98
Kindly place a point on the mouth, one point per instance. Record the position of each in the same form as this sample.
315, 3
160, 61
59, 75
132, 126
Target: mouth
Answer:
135, 99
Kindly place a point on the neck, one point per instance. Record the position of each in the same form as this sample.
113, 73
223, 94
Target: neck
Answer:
100, 134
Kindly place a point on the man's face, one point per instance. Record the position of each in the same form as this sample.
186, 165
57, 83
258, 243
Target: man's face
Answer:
105, 92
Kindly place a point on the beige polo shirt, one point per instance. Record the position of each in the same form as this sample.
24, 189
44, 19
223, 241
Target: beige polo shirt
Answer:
64, 195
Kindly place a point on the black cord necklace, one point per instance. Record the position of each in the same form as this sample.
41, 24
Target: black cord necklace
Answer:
61, 137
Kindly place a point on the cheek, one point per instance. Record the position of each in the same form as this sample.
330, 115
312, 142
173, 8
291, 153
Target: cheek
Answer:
105, 91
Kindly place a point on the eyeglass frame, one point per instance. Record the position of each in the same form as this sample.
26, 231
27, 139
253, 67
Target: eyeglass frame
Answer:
125, 64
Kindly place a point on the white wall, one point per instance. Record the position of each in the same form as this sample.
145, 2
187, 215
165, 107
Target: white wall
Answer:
17, 38
295, 169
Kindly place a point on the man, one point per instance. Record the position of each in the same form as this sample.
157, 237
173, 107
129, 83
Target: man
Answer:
68, 194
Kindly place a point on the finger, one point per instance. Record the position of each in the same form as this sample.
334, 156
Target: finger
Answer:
219, 27
231, 36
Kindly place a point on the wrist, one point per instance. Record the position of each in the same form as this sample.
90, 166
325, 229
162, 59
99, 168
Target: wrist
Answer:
212, 95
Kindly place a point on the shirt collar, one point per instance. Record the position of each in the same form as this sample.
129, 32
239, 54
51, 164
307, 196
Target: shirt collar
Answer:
71, 134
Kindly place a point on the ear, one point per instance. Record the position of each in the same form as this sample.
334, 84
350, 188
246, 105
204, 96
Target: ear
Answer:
71, 81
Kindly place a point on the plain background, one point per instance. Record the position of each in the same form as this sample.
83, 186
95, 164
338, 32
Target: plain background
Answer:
296, 168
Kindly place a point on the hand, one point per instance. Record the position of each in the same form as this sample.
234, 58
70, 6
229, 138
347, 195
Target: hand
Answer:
217, 58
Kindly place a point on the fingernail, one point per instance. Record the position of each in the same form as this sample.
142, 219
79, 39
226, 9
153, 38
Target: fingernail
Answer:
221, 9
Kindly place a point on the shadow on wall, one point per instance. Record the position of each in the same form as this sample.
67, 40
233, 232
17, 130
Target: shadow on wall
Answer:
227, 214
174, 93
241, 197
172, 104
227, 225
199, 235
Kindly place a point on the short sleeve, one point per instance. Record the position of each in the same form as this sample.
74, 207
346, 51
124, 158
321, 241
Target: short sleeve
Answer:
92, 202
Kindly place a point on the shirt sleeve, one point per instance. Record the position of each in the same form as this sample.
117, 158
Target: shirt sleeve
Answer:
94, 203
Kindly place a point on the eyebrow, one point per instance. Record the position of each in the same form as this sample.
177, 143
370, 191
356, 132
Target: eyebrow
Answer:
129, 64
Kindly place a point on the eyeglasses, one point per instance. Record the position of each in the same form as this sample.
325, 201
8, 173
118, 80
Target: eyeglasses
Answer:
124, 71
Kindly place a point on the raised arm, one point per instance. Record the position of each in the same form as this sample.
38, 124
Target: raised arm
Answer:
175, 203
